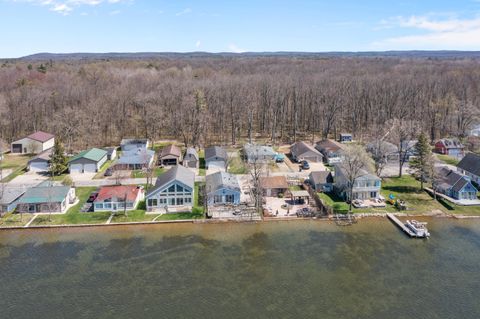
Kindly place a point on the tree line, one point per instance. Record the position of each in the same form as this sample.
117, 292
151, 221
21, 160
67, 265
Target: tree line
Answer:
203, 101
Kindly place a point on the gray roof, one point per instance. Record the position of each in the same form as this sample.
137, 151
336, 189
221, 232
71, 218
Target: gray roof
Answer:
10, 194
215, 151
451, 179
43, 156
259, 150
301, 148
328, 146
221, 180
171, 150
177, 172
129, 144
384, 146
470, 163
141, 156
321, 177
191, 151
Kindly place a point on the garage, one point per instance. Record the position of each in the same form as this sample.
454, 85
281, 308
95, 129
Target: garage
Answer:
87, 161
89, 168
17, 148
38, 166
76, 168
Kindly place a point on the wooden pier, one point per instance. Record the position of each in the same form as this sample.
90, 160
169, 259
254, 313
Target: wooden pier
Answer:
401, 225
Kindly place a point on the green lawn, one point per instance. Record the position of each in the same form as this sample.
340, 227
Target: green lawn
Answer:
201, 158
448, 159
15, 219
197, 207
73, 215
295, 188
407, 188
330, 199
237, 166
175, 216
133, 216
157, 171
17, 163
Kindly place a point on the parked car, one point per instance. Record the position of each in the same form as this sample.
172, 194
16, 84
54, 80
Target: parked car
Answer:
92, 197
108, 172
305, 165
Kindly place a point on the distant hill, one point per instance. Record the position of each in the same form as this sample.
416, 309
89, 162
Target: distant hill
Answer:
191, 55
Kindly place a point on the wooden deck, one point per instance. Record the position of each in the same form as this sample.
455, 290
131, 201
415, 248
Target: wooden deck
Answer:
401, 225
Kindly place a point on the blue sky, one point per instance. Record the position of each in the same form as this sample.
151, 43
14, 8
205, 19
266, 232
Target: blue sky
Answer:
32, 26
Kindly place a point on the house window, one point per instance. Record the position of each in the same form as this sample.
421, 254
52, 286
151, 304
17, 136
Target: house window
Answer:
373, 194
188, 200
162, 200
153, 202
129, 205
31, 208
99, 206
217, 199
171, 201
179, 201
229, 198
179, 189
171, 189
108, 205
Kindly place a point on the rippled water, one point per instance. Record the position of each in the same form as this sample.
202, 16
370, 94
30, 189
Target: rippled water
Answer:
270, 270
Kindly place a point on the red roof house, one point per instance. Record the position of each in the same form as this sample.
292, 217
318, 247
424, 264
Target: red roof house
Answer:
115, 198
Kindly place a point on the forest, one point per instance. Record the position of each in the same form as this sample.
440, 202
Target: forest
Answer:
229, 100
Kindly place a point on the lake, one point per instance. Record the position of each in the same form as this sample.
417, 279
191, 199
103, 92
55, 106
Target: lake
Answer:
298, 269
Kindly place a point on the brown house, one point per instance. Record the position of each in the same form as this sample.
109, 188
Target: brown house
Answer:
170, 155
272, 186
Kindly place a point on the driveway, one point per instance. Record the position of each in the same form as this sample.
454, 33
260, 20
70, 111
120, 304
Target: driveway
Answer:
27, 179
81, 177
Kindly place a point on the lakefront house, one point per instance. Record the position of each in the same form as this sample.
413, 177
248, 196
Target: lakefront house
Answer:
173, 191
366, 185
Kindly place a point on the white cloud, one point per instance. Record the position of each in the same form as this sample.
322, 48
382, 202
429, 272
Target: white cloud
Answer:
234, 48
65, 7
198, 44
114, 12
183, 12
430, 33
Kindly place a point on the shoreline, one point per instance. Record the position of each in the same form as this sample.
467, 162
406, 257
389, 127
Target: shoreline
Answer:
224, 221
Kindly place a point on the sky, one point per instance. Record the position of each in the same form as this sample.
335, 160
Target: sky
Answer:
66, 26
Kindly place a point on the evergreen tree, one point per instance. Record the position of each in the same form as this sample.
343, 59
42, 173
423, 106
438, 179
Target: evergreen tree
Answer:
422, 164
58, 160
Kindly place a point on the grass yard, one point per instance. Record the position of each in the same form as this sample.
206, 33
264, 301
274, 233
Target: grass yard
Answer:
295, 188
201, 159
332, 200
11, 220
133, 216
237, 166
157, 171
17, 163
197, 207
73, 215
176, 216
407, 188
448, 159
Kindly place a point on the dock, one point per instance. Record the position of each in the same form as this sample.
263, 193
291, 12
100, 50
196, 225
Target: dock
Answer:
401, 225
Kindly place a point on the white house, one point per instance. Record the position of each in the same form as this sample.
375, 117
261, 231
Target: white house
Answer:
33, 144
118, 198
173, 191
222, 188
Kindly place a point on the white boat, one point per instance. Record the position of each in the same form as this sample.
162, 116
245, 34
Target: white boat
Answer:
418, 228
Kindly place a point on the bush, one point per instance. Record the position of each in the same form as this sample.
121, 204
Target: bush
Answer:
142, 205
